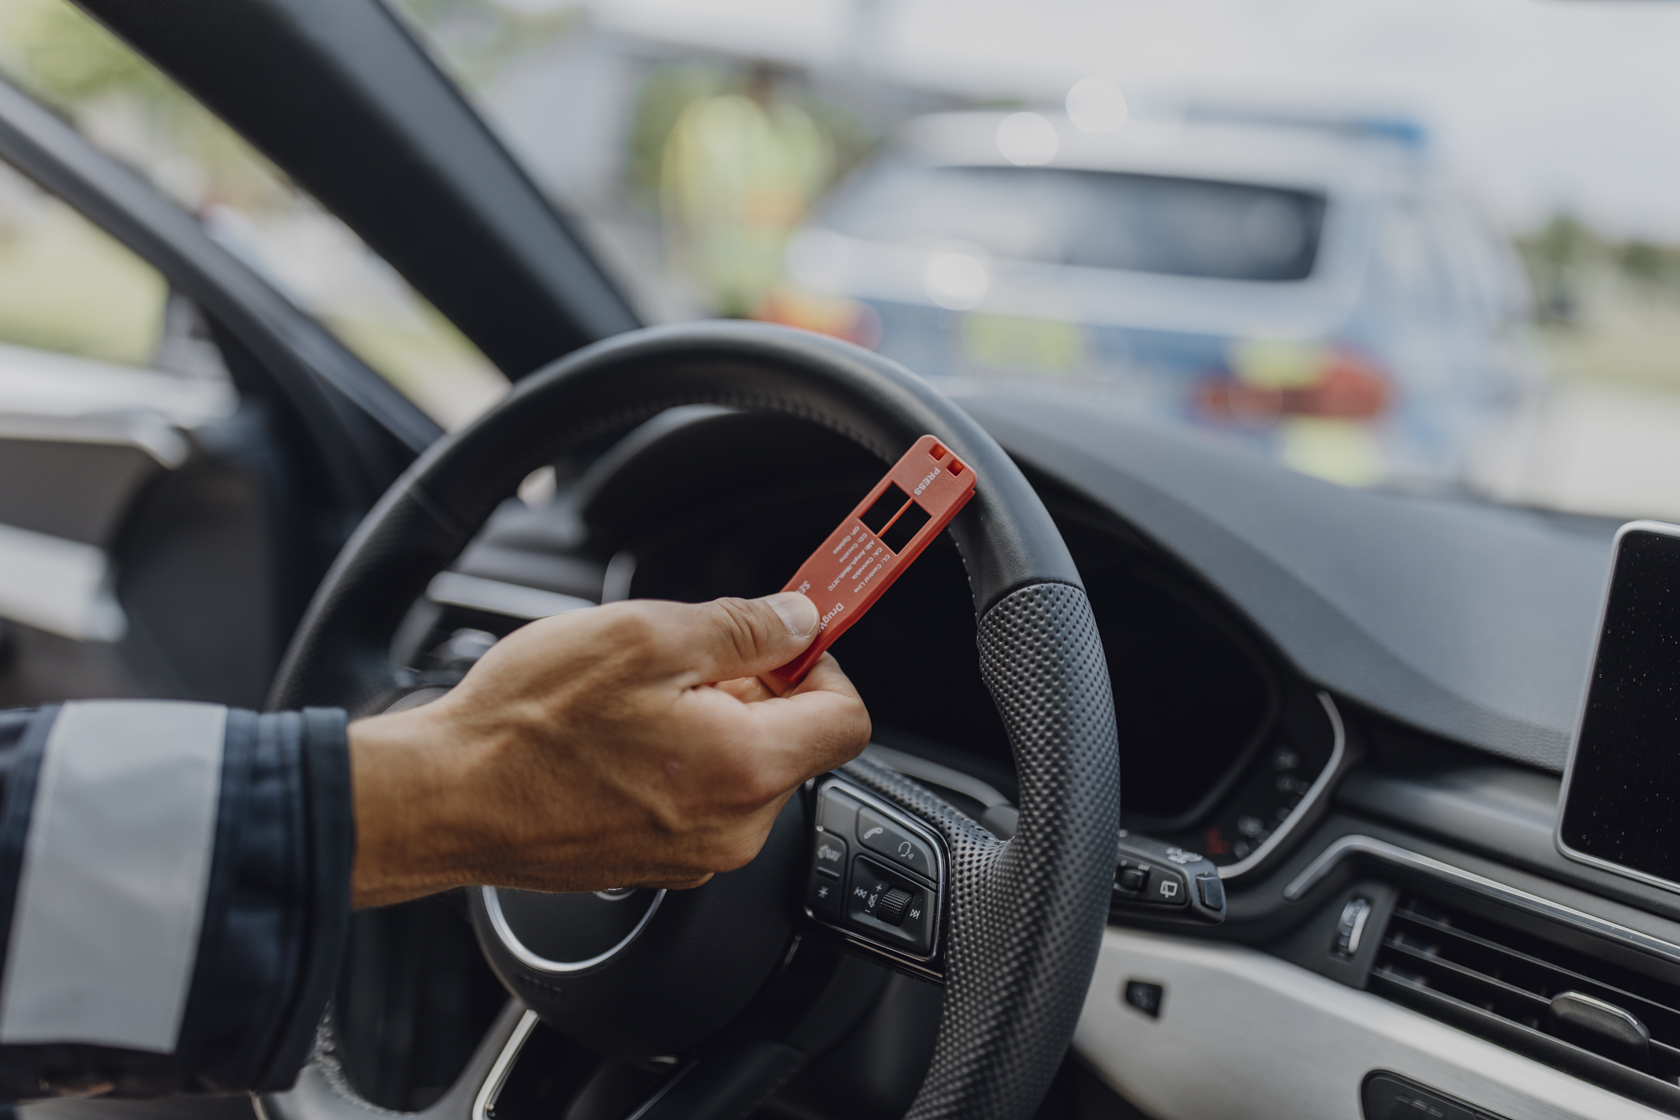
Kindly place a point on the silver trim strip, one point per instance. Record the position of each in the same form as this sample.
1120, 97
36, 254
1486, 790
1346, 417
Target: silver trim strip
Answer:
116, 864
458, 589
492, 1087
1663, 529
1369, 847
510, 940
1338, 750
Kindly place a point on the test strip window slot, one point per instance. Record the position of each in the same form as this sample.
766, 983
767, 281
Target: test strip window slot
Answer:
884, 509
903, 530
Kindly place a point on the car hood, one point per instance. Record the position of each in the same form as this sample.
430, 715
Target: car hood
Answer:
1470, 620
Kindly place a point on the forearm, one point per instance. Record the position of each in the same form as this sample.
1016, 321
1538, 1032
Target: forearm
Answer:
419, 828
174, 890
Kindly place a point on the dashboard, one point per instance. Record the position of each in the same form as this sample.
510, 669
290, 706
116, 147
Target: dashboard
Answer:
1357, 705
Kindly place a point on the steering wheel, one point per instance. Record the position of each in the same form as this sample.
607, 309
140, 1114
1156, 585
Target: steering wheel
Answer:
1012, 927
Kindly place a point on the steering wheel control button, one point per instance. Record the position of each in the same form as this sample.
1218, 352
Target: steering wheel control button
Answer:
1159, 878
882, 836
1167, 888
889, 907
824, 896
892, 906
1210, 891
874, 874
837, 813
1144, 996
830, 856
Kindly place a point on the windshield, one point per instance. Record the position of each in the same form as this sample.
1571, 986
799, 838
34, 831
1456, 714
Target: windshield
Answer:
1428, 246
1091, 219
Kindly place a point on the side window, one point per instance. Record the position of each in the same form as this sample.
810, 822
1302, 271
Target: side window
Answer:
153, 541
66, 285
125, 106
104, 384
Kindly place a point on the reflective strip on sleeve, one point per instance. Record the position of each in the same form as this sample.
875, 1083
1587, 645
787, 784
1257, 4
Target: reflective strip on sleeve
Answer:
116, 864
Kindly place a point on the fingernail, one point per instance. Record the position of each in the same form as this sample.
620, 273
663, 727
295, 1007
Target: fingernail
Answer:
797, 611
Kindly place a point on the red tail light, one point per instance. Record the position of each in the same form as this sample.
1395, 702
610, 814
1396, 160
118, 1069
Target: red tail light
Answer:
1343, 385
849, 319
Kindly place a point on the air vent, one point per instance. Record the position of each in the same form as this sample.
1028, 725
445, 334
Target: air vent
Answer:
1565, 1007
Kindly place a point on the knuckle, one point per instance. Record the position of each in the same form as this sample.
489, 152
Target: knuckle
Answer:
742, 625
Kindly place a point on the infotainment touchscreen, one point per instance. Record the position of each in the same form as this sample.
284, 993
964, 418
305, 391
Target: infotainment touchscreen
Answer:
1621, 799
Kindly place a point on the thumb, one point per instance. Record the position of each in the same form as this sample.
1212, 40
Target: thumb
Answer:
749, 637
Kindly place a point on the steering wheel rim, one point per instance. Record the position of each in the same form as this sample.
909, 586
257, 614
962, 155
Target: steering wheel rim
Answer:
1025, 917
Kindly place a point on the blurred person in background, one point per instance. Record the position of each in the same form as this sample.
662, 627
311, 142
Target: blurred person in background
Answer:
739, 171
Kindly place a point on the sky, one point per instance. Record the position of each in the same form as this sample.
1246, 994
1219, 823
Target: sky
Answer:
1539, 106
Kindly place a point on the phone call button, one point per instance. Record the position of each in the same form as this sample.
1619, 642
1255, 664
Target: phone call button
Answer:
883, 837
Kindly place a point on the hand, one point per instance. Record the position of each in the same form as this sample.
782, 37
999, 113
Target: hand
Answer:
641, 743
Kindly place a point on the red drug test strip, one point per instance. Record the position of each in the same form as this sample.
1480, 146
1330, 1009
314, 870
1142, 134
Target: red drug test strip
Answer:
877, 541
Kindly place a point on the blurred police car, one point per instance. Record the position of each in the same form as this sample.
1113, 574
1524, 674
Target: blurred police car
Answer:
1313, 289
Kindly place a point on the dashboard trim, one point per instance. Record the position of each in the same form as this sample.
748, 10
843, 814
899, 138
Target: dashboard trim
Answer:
1243, 1033
1368, 847
1315, 793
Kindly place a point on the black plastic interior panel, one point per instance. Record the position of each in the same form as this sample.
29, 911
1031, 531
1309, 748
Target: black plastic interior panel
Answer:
1471, 621
1449, 793
75, 489
1191, 691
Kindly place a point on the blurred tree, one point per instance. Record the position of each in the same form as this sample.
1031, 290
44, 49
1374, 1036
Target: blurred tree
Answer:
1556, 257
1648, 265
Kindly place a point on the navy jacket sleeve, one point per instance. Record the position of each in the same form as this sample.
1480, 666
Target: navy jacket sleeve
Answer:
174, 895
